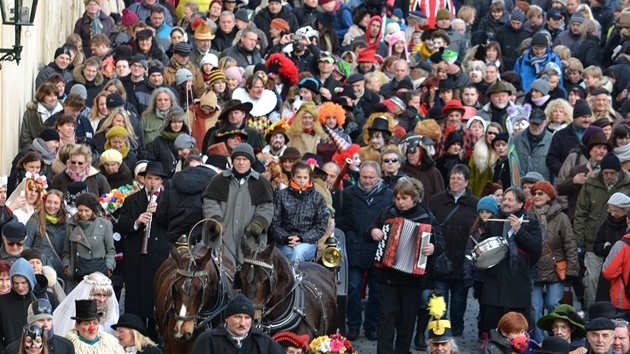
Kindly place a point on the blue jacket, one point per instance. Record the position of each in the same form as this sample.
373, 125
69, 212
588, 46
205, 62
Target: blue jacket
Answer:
83, 129
526, 70
343, 20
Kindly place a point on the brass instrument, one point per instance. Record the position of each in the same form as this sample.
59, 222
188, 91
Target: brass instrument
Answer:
144, 250
331, 256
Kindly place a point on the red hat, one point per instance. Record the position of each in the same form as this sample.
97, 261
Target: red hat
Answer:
280, 24
129, 18
366, 56
379, 59
286, 339
453, 105
322, 2
545, 187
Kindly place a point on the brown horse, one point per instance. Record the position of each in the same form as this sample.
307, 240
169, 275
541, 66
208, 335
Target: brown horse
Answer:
301, 300
191, 291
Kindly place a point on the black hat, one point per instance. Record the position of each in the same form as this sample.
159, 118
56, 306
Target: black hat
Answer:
500, 137
154, 168
600, 323
343, 103
380, 123
554, 345
89, 200
581, 108
131, 321
610, 162
242, 15
347, 91
62, 50
140, 58
49, 135
445, 85
86, 310
144, 34
218, 161
239, 304
261, 67
181, 48
435, 113
123, 52
354, 78
436, 57
600, 91
326, 19
235, 105
405, 83
603, 309
73, 191
577, 89
440, 331
114, 100
452, 138
554, 14
14, 231
319, 161
244, 150
310, 83
539, 40
537, 116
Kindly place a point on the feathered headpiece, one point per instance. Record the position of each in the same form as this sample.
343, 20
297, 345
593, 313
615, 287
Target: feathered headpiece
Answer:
283, 66
439, 329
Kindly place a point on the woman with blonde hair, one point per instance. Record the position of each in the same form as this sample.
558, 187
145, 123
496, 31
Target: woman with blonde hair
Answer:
32, 188
117, 118
133, 335
99, 110
585, 9
305, 132
79, 57
78, 168
559, 114
226, 63
482, 160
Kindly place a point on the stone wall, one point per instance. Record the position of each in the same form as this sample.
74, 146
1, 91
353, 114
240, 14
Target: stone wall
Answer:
54, 21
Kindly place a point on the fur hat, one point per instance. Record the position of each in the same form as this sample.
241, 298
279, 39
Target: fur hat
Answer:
111, 155
490, 188
203, 31
453, 135
545, 187
429, 128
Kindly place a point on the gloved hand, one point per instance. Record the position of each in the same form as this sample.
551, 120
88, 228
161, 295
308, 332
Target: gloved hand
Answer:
216, 226
65, 271
255, 228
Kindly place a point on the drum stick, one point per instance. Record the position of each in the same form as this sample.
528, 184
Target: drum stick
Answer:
472, 238
504, 220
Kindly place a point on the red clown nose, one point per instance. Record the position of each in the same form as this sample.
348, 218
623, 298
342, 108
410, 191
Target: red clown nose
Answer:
92, 329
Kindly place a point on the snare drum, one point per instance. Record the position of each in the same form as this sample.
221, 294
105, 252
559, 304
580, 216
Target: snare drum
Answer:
489, 252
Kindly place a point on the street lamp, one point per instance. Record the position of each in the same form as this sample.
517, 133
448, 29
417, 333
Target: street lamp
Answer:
16, 13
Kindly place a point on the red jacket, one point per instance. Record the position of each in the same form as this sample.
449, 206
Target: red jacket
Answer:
616, 268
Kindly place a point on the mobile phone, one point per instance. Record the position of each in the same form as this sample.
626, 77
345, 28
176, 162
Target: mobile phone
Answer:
296, 37
22, 193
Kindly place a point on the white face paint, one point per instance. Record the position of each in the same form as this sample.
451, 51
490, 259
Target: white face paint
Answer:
178, 325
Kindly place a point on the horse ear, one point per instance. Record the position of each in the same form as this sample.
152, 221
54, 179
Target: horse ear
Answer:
206, 257
247, 251
175, 254
268, 251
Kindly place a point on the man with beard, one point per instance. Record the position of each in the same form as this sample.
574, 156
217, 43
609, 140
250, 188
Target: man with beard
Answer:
276, 139
532, 145
274, 9
496, 109
225, 33
305, 50
202, 37
154, 80
366, 61
572, 36
373, 35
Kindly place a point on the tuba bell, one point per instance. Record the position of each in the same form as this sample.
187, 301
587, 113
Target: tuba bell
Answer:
331, 256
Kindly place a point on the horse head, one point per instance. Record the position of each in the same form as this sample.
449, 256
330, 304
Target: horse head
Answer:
257, 276
190, 282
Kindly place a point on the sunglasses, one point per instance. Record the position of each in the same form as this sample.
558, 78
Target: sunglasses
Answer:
539, 193
77, 163
491, 133
390, 160
13, 244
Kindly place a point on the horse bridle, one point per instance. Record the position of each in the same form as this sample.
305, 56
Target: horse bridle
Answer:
190, 275
269, 270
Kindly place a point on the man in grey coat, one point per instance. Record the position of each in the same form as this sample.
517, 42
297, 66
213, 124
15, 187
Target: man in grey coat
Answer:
240, 202
532, 145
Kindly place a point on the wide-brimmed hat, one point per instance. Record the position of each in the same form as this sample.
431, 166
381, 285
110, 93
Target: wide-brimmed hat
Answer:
315, 161
86, 310
235, 105
131, 321
224, 133
603, 309
279, 127
291, 153
624, 19
453, 105
562, 312
154, 168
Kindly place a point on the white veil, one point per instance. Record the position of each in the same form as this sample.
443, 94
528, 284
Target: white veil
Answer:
24, 213
62, 316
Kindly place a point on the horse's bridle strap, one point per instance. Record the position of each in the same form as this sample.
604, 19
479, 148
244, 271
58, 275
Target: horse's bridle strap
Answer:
192, 274
258, 263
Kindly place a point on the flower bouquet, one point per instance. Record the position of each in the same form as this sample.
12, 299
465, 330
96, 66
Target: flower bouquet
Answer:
333, 344
113, 200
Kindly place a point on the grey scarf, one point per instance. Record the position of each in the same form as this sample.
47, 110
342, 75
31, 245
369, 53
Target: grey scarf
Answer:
39, 145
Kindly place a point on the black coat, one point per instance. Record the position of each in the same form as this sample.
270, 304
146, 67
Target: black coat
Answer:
305, 15
123, 177
140, 269
181, 203
223, 41
361, 249
457, 227
367, 103
345, 213
502, 173
589, 52
562, 142
419, 213
263, 19
163, 151
56, 345
610, 231
510, 41
509, 283
218, 341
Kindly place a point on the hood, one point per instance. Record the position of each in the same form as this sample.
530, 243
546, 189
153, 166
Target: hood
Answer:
77, 75
50, 274
367, 31
23, 267
93, 171
193, 180
32, 105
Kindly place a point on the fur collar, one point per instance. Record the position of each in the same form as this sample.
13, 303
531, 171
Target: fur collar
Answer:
483, 157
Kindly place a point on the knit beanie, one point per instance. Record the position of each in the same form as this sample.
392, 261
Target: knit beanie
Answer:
577, 17
114, 100
539, 40
156, 69
322, 2
89, 200
111, 155
129, 18
280, 24
32, 253
116, 132
620, 200
49, 135
239, 304
246, 151
62, 50
589, 132
209, 59
443, 14
488, 203
610, 162
545, 187
182, 76
517, 15
215, 75
581, 108
80, 90
235, 72
541, 85
184, 141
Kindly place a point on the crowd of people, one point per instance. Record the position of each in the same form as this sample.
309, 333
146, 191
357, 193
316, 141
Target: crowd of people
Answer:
287, 122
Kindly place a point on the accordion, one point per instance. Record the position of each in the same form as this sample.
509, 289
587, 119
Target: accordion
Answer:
401, 246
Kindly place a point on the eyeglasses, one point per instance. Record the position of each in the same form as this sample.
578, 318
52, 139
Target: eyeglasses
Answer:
616, 211
77, 163
620, 323
539, 193
14, 244
390, 160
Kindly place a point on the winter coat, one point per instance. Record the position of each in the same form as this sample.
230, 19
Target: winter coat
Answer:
96, 183
56, 234
88, 240
33, 121
361, 248
243, 58
589, 52
509, 283
590, 210
83, 28
181, 202
143, 11
56, 345
606, 18
263, 19
559, 236
419, 213
457, 228
489, 25
532, 156
480, 169
343, 19
497, 344
163, 151
527, 71
123, 177
14, 309
429, 176
238, 204
51, 69
568, 190
610, 231
501, 173
223, 41
140, 269
301, 213
218, 341
569, 40
510, 41
83, 128
93, 87
198, 85
562, 142
487, 113
616, 268
305, 15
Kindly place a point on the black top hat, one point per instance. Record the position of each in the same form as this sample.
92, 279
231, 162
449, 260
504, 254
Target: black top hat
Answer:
445, 85
319, 161
603, 309
381, 124
131, 321
235, 105
554, 345
86, 310
326, 19
154, 168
